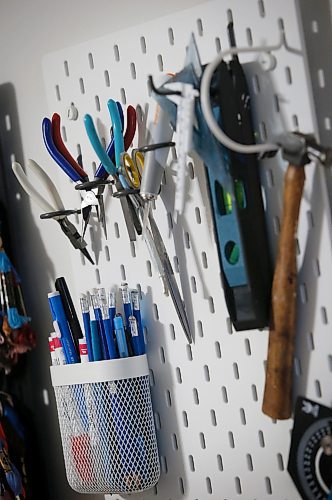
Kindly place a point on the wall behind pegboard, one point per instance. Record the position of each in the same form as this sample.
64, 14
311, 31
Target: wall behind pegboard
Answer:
213, 439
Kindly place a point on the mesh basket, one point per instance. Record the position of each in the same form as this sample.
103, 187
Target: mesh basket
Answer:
107, 427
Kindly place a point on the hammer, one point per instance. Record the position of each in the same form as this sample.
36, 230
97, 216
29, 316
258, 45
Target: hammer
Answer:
298, 149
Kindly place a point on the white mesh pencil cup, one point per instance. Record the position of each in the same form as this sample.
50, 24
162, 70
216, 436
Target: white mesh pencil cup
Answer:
106, 425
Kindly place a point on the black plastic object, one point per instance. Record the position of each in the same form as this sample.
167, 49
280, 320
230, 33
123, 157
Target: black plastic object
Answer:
239, 216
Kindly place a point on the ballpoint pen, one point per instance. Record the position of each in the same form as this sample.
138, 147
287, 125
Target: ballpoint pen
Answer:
137, 315
98, 317
95, 341
126, 302
59, 316
108, 324
62, 288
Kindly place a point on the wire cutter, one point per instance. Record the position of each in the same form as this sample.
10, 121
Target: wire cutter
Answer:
54, 208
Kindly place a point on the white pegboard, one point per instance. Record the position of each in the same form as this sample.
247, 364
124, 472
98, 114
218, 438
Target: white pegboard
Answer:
213, 439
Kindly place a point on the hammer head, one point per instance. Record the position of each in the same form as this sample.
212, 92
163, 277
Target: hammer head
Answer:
300, 149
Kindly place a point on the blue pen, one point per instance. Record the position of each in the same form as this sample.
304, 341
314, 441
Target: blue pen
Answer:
120, 336
134, 335
111, 306
98, 317
95, 341
86, 322
126, 302
108, 325
59, 316
137, 314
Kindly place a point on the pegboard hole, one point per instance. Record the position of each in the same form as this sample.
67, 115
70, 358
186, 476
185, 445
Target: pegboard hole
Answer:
208, 485
243, 417
280, 462
191, 170
149, 268
123, 96
297, 367
314, 27
195, 396
107, 78
321, 78
295, 121
168, 398
207, 373
211, 305
155, 312
318, 389
204, 260
82, 259
116, 53
8, 123
66, 67
123, 272
97, 103
133, 70
198, 215
289, 78
132, 249
249, 37
238, 486
175, 442
57, 92
162, 355
200, 328
250, 464
185, 419
157, 420
82, 88
213, 418
268, 485
91, 61
163, 464
79, 150
189, 352
172, 331
171, 36
178, 375
224, 394
231, 439
303, 293
187, 240
261, 8
236, 371
176, 264
220, 463
316, 266
261, 439
193, 284
263, 131
170, 222
276, 103
229, 15
200, 29
327, 123
218, 44
202, 440
247, 346
329, 359
64, 133
151, 378
324, 315
255, 84
77, 220
218, 349
181, 485
191, 463
160, 62
254, 392
143, 44
97, 272
116, 230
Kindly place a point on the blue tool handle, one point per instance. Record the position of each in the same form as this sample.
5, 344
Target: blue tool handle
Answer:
87, 332
102, 334
101, 172
110, 338
56, 155
97, 146
95, 340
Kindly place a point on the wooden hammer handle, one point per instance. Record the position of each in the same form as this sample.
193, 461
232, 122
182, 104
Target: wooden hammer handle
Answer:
277, 401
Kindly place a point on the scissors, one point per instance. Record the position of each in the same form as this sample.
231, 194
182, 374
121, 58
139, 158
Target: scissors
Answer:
119, 144
54, 208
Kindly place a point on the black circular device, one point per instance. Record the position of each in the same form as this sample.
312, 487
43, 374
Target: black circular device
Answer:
314, 460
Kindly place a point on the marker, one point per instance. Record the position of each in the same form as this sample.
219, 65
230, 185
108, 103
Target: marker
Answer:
126, 302
60, 354
59, 316
95, 341
137, 314
83, 350
134, 335
120, 336
86, 323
